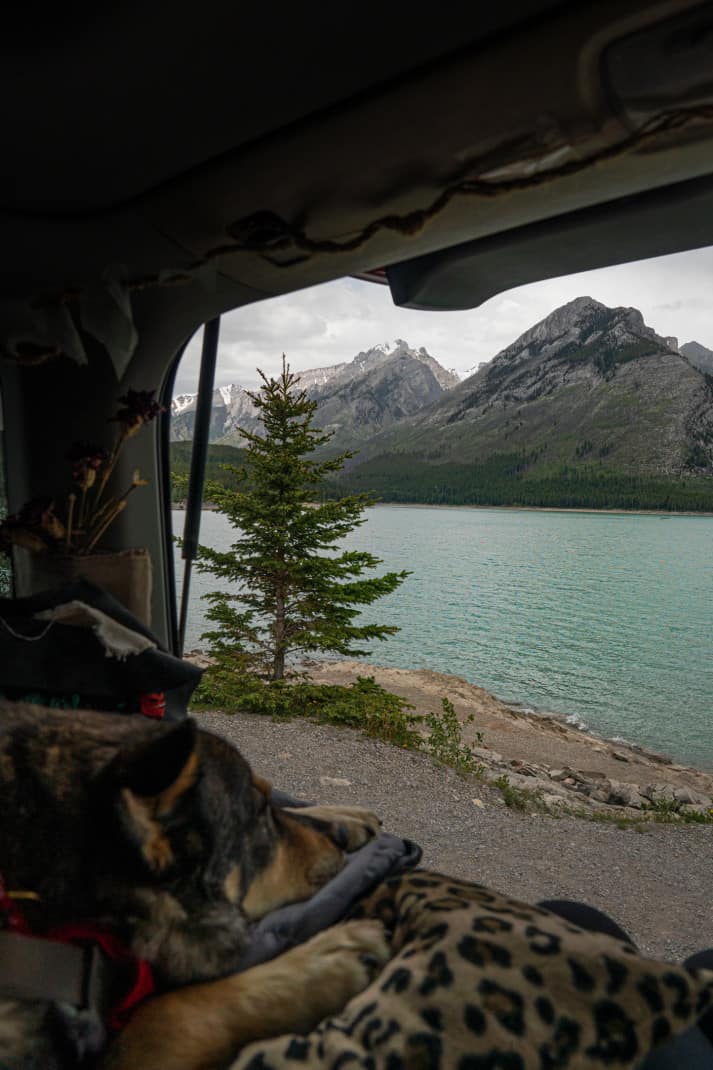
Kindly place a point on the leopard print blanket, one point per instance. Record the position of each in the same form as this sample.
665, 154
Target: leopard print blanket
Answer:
479, 981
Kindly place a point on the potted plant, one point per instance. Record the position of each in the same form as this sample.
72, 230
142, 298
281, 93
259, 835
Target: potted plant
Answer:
55, 543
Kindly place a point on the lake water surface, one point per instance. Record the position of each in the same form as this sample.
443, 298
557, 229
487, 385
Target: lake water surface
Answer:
606, 619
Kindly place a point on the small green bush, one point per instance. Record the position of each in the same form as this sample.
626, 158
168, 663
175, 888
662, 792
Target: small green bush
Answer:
663, 809
445, 739
363, 705
514, 797
667, 811
367, 706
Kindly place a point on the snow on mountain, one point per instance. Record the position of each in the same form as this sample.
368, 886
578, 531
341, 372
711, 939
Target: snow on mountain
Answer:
182, 403
232, 408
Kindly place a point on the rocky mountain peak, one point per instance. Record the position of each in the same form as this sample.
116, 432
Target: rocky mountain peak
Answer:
321, 381
581, 344
573, 311
182, 402
699, 356
382, 352
561, 322
379, 385
581, 328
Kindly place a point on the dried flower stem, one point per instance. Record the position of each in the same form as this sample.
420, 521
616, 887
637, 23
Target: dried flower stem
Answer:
109, 468
101, 512
108, 514
109, 519
82, 506
97, 520
71, 500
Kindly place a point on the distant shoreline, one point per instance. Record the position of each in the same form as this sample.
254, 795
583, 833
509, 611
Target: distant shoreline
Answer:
549, 509
180, 507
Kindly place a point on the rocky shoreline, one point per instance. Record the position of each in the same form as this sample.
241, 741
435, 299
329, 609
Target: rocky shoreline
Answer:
566, 769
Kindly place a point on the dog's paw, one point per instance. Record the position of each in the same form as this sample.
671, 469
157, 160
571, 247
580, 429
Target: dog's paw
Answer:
349, 826
353, 827
341, 962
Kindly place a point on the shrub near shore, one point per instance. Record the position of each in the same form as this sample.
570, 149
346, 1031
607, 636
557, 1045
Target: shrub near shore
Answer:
363, 705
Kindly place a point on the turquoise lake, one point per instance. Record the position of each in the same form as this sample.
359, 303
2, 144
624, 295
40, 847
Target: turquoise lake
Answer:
604, 619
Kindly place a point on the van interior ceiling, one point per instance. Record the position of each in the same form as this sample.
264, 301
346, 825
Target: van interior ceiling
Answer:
164, 167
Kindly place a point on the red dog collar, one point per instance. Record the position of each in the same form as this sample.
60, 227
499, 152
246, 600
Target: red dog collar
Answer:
83, 964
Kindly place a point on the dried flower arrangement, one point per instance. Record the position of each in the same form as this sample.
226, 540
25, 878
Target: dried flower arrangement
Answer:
89, 511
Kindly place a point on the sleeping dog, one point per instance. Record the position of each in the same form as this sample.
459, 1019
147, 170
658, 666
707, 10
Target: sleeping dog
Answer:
164, 835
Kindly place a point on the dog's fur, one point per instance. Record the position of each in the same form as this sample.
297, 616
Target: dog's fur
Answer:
165, 835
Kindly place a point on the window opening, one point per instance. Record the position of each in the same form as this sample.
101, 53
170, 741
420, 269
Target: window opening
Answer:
199, 454
5, 559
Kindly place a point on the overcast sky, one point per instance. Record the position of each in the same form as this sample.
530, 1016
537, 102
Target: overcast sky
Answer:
332, 323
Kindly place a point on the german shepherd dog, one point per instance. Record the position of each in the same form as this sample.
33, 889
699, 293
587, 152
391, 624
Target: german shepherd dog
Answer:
164, 834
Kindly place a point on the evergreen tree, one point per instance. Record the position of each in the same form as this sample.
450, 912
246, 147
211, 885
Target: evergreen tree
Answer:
298, 593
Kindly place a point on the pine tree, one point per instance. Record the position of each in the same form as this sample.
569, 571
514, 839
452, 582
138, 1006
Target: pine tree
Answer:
298, 592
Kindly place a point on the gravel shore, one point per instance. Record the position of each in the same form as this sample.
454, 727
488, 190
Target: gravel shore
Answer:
656, 883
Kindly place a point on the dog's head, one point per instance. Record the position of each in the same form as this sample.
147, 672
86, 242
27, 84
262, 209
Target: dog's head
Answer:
162, 832
188, 849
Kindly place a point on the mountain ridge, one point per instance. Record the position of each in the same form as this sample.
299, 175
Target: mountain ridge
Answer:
355, 398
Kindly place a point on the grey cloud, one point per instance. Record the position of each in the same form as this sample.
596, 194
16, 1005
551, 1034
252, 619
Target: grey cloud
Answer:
690, 304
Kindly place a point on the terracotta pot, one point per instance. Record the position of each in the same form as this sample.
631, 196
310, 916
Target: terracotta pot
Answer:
125, 574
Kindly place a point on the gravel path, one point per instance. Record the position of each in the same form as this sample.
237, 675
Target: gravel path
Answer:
656, 883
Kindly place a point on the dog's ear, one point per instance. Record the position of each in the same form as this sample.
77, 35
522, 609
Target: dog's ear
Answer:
164, 768
152, 779
263, 786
